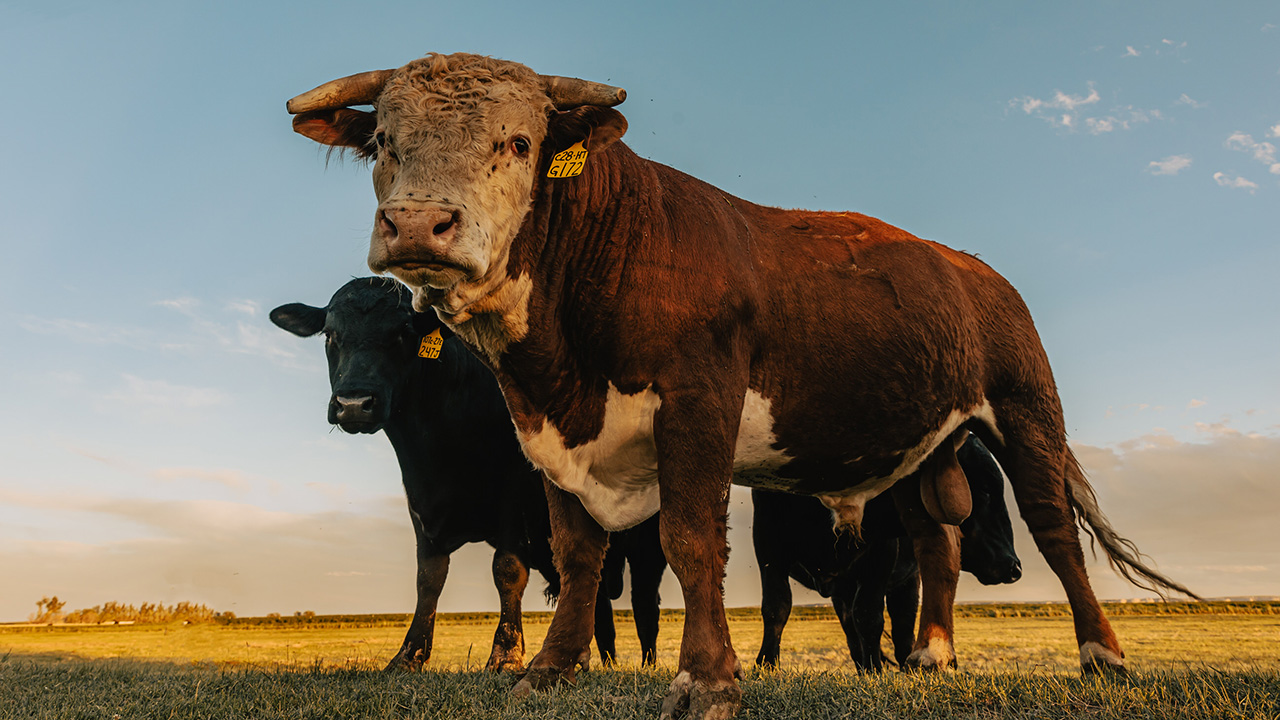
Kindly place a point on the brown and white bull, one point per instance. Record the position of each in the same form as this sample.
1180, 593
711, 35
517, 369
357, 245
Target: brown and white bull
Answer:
657, 338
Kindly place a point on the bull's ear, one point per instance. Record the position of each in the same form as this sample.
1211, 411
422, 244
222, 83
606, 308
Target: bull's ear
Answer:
299, 319
599, 126
339, 127
425, 322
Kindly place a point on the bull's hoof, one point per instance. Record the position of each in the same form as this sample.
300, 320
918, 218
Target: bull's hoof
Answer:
1096, 660
696, 700
504, 664
939, 655
541, 679
407, 662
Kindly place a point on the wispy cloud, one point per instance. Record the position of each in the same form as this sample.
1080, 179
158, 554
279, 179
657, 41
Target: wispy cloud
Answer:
1186, 99
161, 394
87, 333
1264, 152
1196, 403
1170, 165
1274, 131
237, 328
233, 479
1122, 119
1240, 183
240, 336
1068, 112
1130, 52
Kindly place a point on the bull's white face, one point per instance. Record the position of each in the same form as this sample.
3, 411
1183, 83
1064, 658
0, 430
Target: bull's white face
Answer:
456, 141
455, 169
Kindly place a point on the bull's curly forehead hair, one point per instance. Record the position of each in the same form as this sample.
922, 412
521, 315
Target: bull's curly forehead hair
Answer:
460, 79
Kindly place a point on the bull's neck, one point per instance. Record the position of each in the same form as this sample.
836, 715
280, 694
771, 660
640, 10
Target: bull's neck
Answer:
570, 251
572, 240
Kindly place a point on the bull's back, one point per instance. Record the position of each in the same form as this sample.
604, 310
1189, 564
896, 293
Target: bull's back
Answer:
871, 345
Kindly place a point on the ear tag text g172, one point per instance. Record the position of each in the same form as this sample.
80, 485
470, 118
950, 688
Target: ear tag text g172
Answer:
568, 163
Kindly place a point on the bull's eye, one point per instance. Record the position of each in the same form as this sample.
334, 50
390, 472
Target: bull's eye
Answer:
520, 146
380, 138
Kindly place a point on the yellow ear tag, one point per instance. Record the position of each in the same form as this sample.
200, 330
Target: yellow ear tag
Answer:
431, 344
568, 163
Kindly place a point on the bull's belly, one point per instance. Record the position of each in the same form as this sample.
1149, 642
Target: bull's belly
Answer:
616, 474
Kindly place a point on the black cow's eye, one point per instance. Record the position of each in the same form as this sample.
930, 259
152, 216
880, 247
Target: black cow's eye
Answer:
380, 138
520, 146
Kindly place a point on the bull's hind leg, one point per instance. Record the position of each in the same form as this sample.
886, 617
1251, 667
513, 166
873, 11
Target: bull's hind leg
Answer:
937, 549
578, 544
1035, 457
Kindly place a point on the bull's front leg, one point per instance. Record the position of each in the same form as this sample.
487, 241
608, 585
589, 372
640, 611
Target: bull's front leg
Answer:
433, 568
578, 544
937, 550
510, 576
695, 441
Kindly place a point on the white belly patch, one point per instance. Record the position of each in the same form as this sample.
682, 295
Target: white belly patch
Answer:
847, 505
616, 474
755, 461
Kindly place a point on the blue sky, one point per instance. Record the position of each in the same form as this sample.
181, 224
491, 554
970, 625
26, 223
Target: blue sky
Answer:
161, 440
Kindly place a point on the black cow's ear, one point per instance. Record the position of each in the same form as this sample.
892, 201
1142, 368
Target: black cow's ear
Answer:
299, 319
425, 322
599, 126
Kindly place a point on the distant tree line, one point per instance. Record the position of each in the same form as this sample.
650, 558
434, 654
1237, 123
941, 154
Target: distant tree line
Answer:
50, 610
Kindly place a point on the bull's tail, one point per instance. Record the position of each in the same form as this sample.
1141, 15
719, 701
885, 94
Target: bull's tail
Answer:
1121, 552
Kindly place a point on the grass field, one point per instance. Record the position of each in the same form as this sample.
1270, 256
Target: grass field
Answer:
1201, 666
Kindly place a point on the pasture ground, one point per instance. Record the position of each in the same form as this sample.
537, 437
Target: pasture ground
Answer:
1184, 666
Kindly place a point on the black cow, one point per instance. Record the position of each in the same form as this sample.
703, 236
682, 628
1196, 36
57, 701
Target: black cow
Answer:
464, 475
793, 538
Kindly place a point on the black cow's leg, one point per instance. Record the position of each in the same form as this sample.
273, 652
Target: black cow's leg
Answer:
937, 549
646, 577
606, 632
866, 607
433, 567
510, 576
903, 601
578, 544
775, 609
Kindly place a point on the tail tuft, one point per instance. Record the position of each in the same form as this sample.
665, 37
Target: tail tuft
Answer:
1121, 553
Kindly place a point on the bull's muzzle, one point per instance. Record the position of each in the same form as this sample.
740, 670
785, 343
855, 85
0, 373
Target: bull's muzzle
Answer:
417, 234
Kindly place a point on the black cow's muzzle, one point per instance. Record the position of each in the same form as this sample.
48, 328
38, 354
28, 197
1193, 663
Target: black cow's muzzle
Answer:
356, 413
1000, 573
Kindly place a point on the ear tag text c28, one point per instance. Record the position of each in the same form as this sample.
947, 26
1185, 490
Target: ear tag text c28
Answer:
568, 163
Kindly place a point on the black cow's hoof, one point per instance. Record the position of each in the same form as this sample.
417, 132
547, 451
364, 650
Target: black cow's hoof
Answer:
409, 663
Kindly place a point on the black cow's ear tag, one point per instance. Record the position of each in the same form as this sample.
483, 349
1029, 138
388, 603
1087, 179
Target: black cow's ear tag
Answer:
568, 163
431, 344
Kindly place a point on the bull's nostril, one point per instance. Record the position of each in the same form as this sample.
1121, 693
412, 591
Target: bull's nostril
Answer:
385, 226
367, 405
444, 227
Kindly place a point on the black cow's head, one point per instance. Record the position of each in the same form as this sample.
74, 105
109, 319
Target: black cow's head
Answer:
986, 550
372, 336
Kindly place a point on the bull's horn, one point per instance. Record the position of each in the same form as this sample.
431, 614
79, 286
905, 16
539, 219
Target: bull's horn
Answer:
360, 89
567, 92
